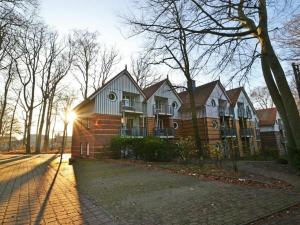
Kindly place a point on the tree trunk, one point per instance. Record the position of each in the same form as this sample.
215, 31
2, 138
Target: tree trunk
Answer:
194, 117
48, 123
279, 88
12, 122
40, 132
28, 132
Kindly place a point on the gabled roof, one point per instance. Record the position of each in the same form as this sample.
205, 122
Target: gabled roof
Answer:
267, 117
92, 96
201, 94
149, 91
234, 95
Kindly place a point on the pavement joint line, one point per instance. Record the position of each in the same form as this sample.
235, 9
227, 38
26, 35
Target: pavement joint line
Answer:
270, 214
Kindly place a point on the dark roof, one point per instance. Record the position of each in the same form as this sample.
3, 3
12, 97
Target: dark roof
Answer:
267, 117
234, 94
201, 94
149, 91
92, 96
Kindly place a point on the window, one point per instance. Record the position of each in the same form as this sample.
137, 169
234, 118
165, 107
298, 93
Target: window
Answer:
87, 149
112, 96
81, 149
213, 103
215, 124
175, 105
175, 125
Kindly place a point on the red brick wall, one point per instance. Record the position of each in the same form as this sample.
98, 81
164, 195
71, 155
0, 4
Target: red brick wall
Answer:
102, 129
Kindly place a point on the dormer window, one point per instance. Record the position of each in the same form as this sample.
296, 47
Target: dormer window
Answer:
213, 103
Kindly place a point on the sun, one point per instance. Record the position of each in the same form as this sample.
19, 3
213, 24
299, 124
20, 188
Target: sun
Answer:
71, 116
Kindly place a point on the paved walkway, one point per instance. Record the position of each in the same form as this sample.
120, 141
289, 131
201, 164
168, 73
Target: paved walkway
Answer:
31, 192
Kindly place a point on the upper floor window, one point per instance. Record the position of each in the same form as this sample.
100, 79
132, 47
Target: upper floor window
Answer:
112, 96
175, 105
213, 103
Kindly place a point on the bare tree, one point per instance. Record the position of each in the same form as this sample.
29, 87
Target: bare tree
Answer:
262, 98
233, 33
14, 128
173, 48
142, 71
31, 44
86, 55
108, 58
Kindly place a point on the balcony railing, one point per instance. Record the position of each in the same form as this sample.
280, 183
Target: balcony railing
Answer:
164, 132
133, 132
228, 132
131, 106
226, 111
163, 110
246, 132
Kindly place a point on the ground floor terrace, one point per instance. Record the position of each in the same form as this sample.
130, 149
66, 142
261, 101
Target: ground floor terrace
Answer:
36, 189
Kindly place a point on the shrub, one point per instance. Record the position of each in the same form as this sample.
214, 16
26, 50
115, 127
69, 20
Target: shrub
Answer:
186, 149
148, 148
269, 153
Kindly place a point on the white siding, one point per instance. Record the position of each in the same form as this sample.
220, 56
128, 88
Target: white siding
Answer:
164, 91
216, 94
118, 86
243, 99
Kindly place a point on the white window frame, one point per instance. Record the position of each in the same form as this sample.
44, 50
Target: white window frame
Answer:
81, 148
87, 149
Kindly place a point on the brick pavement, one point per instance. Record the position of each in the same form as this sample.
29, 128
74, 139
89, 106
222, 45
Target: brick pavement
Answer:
29, 194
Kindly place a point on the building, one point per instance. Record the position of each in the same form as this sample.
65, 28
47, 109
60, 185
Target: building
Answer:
120, 107
245, 122
271, 130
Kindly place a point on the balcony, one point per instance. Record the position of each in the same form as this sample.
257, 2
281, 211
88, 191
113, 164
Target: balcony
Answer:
131, 106
163, 110
241, 112
246, 132
226, 111
164, 132
227, 132
133, 132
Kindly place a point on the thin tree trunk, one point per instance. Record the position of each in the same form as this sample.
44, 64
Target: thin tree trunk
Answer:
48, 123
40, 132
194, 117
12, 122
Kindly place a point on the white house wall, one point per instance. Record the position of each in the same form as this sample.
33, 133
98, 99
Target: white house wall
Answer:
118, 86
217, 93
243, 99
164, 91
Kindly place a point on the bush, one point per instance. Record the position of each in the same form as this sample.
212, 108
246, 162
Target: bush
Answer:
186, 149
269, 154
148, 148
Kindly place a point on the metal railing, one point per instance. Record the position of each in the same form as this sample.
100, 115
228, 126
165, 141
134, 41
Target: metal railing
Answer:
133, 132
164, 132
246, 132
226, 111
133, 106
228, 132
163, 109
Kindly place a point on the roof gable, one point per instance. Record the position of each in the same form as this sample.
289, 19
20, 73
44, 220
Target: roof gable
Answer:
234, 95
202, 94
150, 91
267, 117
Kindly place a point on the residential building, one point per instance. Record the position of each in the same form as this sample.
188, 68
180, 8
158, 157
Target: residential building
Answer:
245, 122
116, 108
163, 104
226, 119
214, 116
271, 130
